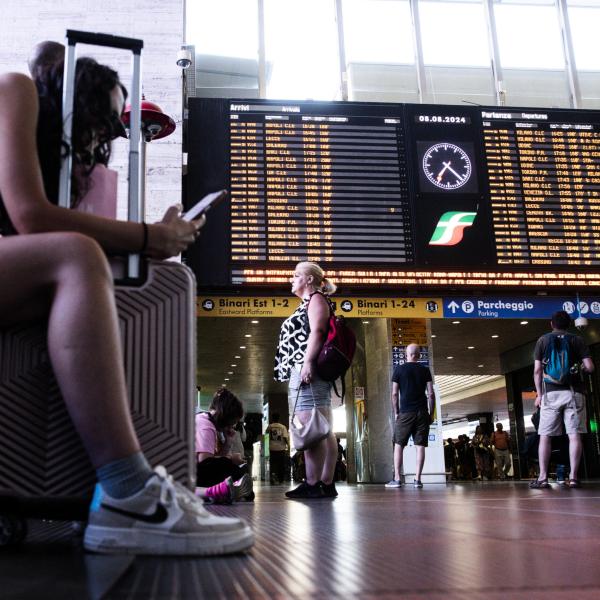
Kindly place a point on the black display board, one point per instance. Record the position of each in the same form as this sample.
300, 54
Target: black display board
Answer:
391, 194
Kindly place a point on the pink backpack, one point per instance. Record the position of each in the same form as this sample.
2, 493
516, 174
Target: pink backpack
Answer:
338, 350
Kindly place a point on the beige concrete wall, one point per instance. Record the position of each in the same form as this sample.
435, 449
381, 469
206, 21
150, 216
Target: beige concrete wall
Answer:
379, 372
160, 24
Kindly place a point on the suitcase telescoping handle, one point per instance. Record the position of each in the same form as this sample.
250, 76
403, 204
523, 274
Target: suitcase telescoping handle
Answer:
135, 138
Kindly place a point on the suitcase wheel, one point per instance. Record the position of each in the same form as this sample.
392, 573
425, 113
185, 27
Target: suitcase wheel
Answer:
13, 530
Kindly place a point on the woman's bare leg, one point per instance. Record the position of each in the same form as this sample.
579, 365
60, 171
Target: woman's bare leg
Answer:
331, 454
65, 278
320, 460
314, 459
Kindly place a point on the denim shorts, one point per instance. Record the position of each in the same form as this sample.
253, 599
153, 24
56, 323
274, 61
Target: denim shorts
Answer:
317, 393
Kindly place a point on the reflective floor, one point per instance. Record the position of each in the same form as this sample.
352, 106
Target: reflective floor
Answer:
476, 541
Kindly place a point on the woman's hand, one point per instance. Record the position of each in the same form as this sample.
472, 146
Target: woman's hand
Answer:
307, 372
237, 458
173, 234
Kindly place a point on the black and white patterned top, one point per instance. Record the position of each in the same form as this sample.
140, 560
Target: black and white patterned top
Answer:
293, 341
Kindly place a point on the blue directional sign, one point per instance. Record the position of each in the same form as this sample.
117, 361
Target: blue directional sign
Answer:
501, 307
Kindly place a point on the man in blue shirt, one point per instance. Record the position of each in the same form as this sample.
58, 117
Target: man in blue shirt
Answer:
413, 403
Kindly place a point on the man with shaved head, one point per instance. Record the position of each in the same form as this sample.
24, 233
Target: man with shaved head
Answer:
413, 402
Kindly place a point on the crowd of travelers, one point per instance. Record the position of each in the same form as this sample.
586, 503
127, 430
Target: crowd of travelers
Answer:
474, 458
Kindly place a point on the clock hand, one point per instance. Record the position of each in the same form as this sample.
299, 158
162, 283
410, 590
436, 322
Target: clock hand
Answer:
460, 177
446, 166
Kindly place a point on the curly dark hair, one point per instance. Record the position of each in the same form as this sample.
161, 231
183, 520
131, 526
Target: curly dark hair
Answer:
93, 120
228, 409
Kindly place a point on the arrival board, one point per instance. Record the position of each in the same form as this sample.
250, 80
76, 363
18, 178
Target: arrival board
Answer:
391, 194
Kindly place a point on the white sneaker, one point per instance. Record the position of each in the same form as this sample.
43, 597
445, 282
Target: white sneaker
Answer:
162, 518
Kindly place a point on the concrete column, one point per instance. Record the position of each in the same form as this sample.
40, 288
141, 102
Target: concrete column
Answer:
378, 358
356, 380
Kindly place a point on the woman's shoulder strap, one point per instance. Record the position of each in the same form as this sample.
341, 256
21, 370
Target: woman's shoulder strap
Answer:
324, 296
320, 293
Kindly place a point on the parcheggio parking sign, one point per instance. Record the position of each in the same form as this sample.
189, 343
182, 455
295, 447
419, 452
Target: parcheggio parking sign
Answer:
498, 307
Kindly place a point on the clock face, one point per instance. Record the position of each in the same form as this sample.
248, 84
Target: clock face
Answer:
447, 166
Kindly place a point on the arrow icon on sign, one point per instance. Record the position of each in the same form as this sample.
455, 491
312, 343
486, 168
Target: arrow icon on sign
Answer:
453, 306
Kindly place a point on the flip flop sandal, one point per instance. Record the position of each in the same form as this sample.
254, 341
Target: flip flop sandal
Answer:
574, 483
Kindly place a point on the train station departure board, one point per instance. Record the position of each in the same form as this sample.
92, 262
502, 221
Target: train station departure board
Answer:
390, 194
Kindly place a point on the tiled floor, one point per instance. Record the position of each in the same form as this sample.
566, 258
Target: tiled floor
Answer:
489, 541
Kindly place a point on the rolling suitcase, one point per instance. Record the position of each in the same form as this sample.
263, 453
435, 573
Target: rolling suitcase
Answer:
44, 470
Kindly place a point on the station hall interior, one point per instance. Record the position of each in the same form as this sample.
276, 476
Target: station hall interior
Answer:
468, 62
475, 364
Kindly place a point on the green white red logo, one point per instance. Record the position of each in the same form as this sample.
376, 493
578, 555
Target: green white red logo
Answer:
449, 230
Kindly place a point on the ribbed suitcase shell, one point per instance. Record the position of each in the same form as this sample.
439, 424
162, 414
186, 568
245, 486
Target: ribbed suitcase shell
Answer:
40, 452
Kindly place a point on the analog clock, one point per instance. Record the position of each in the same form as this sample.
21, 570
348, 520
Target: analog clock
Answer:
447, 166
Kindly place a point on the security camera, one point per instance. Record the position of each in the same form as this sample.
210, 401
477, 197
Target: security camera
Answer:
184, 58
581, 323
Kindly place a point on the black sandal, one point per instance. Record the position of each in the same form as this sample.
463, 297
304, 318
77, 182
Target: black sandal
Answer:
539, 484
574, 483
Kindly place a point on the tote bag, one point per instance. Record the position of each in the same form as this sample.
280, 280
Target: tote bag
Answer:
312, 432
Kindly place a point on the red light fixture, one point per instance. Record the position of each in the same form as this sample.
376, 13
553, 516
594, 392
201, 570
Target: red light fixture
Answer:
155, 123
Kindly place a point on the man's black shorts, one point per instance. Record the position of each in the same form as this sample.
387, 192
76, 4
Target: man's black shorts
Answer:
412, 423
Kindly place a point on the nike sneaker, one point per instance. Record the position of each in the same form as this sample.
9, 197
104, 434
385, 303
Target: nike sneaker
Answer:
163, 518
242, 489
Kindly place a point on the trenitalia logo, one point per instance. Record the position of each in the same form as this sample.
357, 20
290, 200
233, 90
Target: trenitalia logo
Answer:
449, 230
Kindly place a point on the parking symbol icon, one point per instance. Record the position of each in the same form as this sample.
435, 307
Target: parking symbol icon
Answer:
468, 307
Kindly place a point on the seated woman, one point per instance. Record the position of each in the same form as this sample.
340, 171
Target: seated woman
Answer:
53, 267
220, 473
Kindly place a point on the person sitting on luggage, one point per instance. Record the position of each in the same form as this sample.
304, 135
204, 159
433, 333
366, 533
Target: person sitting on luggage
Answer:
56, 269
220, 472
99, 101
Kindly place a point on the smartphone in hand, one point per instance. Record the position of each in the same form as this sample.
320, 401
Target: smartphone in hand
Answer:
204, 205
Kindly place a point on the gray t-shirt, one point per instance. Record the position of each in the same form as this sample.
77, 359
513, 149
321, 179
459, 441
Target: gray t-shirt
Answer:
579, 351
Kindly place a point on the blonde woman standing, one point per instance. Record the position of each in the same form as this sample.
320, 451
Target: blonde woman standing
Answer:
300, 340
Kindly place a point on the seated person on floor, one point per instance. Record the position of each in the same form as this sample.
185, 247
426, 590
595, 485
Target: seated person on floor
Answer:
220, 472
